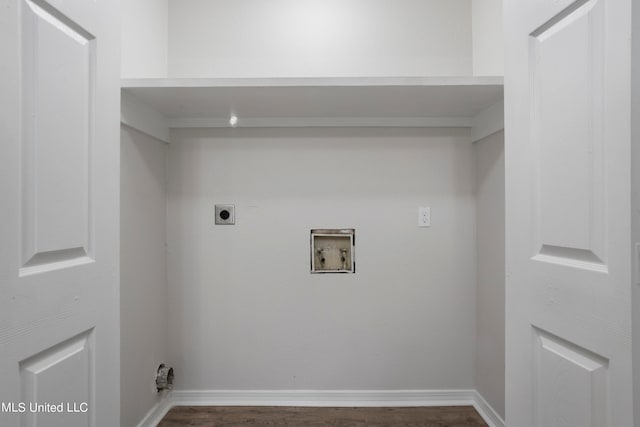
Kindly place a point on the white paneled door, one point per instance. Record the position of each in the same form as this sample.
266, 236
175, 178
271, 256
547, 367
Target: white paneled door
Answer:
567, 112
59, 179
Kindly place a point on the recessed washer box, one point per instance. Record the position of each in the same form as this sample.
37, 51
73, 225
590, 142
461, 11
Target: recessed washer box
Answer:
333, 250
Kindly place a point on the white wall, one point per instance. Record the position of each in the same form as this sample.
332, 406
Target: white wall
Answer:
246, 313
635, 203
143, 281
284, 38
144, 46
490, 308
253, 38
488, 42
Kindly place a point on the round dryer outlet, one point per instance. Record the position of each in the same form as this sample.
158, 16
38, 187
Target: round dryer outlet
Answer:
225, 214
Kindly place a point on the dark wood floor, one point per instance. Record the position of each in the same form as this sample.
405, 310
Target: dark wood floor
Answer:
210, 416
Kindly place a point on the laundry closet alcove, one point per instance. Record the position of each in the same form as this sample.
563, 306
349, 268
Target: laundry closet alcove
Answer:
333, 132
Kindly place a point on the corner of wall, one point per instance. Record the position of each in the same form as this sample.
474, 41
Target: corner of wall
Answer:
143, 279
490, 224
157, 412
487, 122
139, 116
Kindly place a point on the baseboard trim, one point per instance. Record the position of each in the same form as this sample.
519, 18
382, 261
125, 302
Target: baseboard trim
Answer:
324, 397
486, 411
333, 398
157, 412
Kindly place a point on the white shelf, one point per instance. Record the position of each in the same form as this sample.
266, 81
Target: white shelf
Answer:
318, 102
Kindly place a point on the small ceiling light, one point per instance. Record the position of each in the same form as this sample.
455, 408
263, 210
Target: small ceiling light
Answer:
233, 121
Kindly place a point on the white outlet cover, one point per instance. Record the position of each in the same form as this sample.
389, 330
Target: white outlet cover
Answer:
424, 216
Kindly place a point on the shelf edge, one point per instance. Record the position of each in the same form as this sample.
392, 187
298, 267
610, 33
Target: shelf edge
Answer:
312, 82
315, 122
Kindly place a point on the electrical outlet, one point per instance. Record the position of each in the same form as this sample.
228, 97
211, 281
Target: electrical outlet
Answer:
424, 216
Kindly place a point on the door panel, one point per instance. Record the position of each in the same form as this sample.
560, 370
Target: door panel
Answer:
567, 124
59, 186
566, 69
571, 384
58, 100
61, 374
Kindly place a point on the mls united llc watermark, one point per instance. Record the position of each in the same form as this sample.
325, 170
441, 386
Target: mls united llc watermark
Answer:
35, 407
